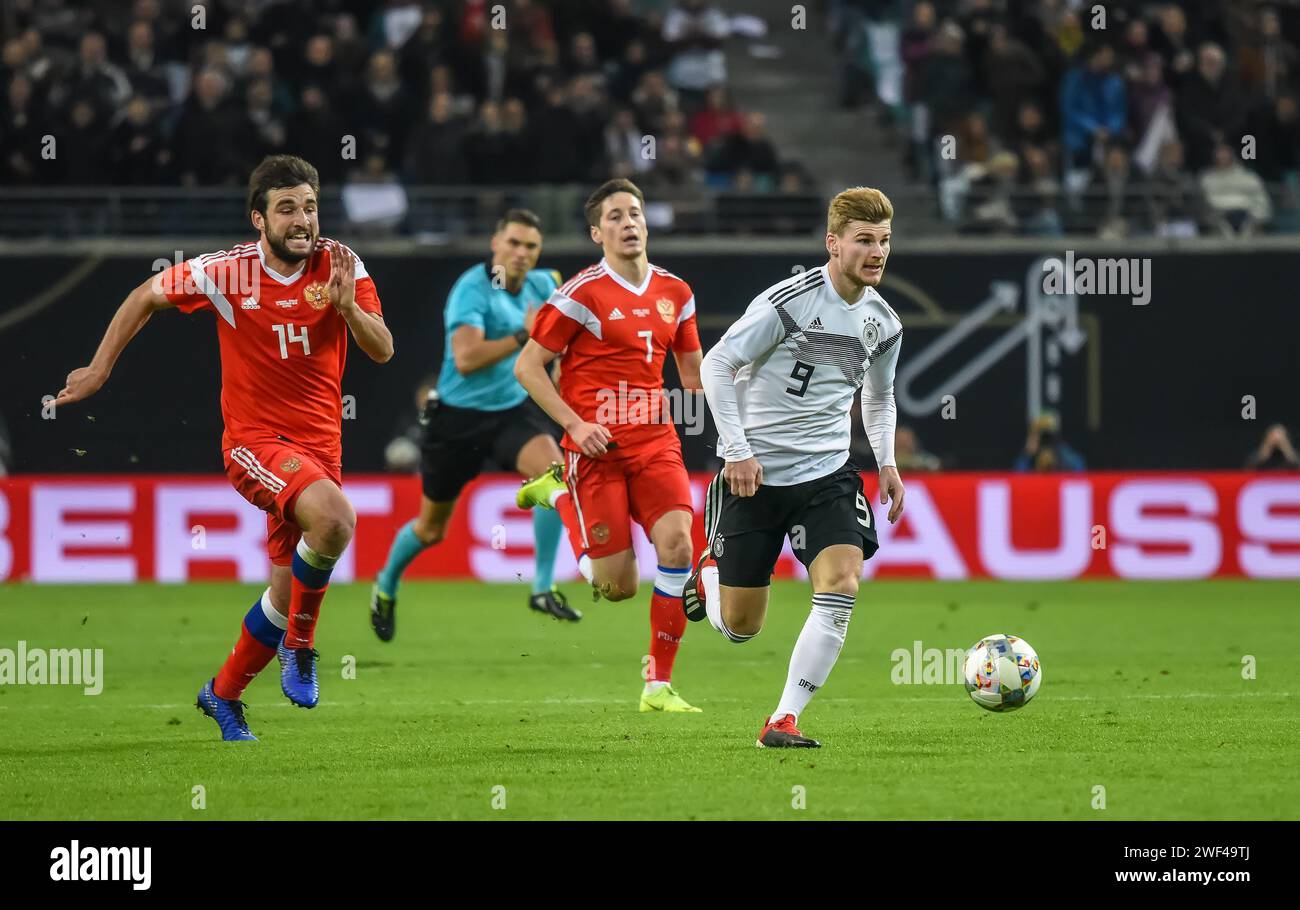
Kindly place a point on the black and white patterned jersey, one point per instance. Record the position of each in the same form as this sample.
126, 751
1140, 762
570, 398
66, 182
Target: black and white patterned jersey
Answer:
780, 383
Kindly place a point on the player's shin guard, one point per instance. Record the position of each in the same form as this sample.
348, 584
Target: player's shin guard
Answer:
815, 652
667, 622
259, 635
311, 578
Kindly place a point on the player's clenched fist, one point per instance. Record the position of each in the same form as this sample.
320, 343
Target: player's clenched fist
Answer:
591, 438
743, 477
81, 384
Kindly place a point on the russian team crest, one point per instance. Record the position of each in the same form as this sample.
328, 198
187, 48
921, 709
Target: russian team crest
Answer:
667, 309
317, 294
291, 465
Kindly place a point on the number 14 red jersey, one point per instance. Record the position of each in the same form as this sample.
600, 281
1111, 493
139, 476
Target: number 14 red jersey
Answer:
283, 344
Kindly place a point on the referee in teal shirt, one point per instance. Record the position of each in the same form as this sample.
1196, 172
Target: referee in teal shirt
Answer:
480, 413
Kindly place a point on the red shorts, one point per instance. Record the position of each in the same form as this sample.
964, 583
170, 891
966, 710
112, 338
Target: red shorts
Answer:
270, 473
610, 493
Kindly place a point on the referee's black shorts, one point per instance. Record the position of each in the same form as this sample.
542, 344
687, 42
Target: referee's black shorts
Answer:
456, 442
747, 533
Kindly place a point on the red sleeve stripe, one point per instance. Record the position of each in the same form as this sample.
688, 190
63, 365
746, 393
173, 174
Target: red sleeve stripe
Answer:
687, 312
577, 312
243, 251
208, 288
664, 272
592, 271
578, 282
359, 269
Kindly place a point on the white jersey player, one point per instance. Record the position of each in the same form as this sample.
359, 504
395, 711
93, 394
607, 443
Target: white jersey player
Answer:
780, 385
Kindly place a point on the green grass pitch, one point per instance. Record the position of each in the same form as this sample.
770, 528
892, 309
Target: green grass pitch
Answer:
1143, 694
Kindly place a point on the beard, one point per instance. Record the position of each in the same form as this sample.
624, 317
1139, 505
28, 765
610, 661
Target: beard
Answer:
282, 251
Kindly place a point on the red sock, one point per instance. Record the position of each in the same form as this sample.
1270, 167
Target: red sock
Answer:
248, 659
667, 623
304, 608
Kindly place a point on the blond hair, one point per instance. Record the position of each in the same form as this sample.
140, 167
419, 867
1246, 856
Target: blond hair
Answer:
858, 203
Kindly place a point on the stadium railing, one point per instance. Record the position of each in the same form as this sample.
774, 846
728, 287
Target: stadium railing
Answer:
448, 214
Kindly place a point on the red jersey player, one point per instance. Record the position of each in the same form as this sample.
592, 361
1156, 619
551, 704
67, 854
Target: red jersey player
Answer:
612, 324
283, 307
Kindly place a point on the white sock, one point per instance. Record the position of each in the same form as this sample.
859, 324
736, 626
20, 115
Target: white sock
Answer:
312, 558
555, 497
584, 567
815, 652
671, 581
654, 685
713, 604
276, 618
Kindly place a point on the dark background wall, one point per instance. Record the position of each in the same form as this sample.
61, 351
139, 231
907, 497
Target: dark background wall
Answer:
1159, 385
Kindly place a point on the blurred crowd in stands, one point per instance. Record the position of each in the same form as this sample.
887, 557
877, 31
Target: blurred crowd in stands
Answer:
432, 93
1129, 117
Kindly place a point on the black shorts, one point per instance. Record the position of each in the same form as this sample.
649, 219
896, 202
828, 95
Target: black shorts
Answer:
747, 533
455, 443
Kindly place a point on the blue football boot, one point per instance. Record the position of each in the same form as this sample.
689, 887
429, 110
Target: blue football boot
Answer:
229, 715
298, 675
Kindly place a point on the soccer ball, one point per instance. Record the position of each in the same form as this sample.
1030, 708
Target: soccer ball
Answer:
1001, 672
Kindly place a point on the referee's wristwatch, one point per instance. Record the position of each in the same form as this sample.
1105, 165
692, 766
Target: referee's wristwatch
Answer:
522, 337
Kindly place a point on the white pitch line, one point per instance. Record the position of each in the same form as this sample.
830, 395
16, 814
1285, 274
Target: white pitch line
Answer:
475, 702
1150, 696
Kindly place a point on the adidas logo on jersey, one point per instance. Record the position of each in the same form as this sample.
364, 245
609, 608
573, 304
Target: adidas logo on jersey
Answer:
617, 314
250, 304
816, 324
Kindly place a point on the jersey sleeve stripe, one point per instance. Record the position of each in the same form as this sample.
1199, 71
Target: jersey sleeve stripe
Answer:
209, 289
575, 285
358, 267
664, 272
687, 311
580, 279
577, 312
791, 291
883, 348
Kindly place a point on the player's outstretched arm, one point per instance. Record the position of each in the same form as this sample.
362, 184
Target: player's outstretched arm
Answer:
530, 370
129, 319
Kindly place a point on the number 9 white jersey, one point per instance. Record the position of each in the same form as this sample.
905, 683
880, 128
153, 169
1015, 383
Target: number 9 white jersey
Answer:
781, 381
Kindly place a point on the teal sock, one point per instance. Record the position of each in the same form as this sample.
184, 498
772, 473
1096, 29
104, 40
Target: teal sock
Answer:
546, 535
406, 546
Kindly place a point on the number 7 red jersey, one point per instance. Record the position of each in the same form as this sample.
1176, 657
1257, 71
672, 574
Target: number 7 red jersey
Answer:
614, 337
283, 344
